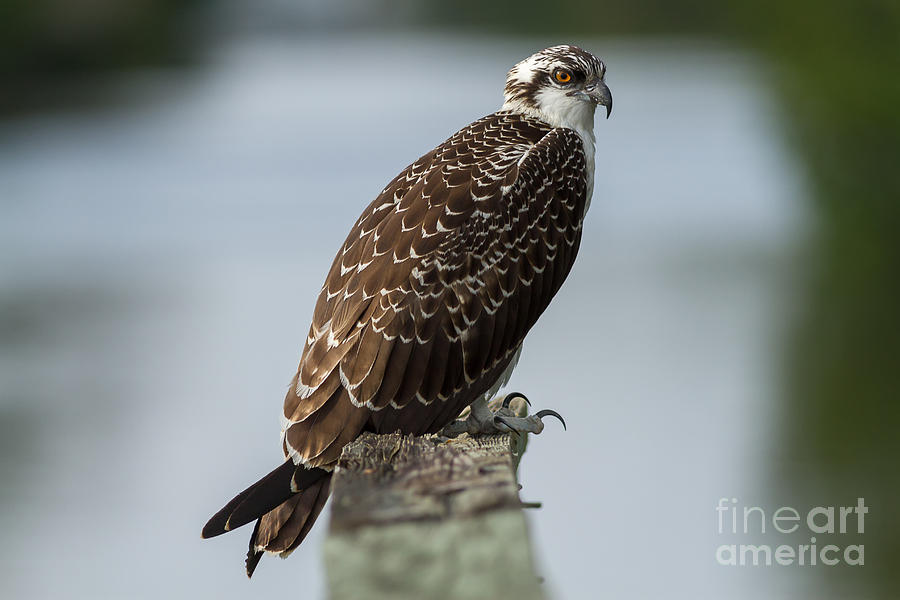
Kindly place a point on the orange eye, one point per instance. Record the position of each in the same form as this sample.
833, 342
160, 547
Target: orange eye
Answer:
563, 76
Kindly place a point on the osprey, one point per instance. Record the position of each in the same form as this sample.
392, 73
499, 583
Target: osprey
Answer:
426, 305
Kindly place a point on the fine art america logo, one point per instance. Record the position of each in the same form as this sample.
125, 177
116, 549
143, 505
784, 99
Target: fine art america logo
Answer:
826, 522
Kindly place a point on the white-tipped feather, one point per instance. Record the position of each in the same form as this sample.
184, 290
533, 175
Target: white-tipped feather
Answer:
501, 197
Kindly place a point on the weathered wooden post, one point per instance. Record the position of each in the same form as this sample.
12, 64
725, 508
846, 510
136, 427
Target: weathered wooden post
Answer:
427, 518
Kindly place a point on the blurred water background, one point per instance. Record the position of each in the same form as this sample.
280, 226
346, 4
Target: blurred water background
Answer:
175, 178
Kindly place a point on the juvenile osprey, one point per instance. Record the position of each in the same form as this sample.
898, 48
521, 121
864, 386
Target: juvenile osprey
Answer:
429, 299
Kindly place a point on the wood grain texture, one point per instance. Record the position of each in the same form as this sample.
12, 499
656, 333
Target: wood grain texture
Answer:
418, 517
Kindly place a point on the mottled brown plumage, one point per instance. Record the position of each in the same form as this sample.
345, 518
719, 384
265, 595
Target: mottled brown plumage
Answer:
431, 295
480, 231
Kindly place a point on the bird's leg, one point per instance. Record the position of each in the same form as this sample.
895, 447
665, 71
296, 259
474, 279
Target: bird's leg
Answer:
504, 419
471, 421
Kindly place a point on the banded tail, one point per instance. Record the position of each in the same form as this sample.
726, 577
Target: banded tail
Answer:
285, 504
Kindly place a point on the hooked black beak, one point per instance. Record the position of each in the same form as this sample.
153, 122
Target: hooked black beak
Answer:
601, 95
596, 92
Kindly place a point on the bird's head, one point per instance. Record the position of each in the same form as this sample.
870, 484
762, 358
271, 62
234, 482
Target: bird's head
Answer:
561, 85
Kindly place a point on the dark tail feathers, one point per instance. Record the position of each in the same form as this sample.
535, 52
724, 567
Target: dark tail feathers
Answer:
285, 503
283, 529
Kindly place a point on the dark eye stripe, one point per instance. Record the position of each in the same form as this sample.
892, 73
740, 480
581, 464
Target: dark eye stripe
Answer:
577, 76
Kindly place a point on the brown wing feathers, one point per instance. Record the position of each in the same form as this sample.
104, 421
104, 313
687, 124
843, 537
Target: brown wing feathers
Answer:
453, 263
425, 305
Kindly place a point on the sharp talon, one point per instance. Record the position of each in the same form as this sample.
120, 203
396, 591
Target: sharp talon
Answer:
512, 396
551, 413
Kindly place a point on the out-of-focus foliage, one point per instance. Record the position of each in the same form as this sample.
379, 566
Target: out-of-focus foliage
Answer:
837, 65
45, 41
58, 35
584, 17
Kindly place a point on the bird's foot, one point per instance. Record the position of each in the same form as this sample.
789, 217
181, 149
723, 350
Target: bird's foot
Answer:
505, 418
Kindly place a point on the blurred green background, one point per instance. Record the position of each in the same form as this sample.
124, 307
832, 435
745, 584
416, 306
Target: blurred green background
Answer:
834, 68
